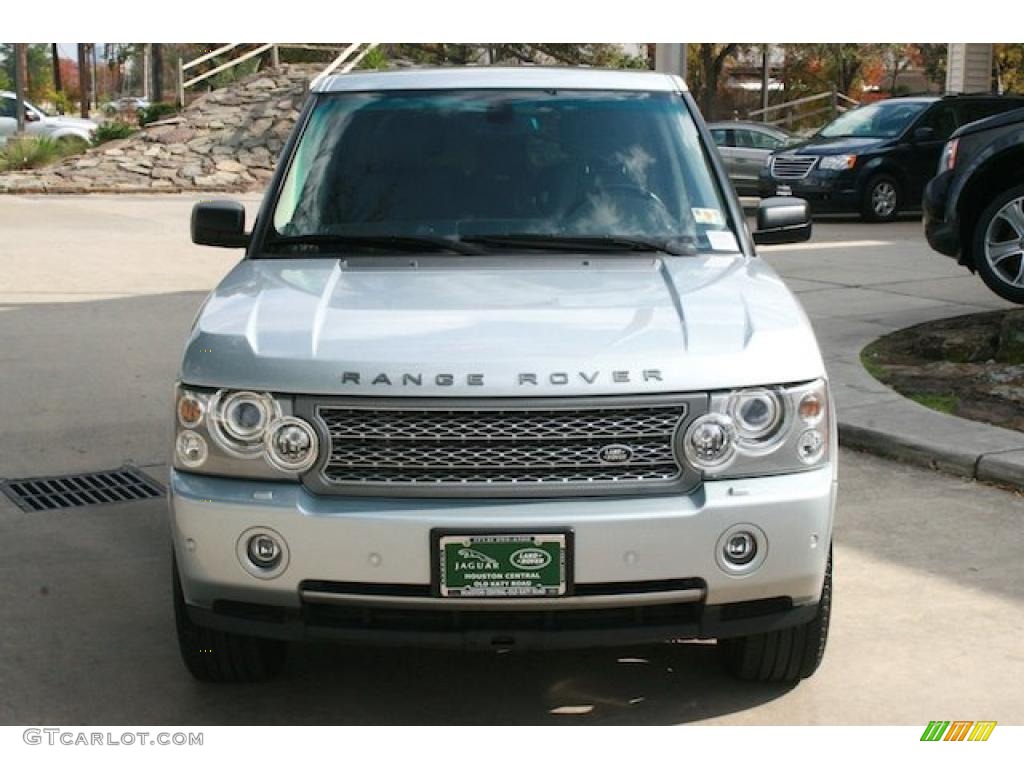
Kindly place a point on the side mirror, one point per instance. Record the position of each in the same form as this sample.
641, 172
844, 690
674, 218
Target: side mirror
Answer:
782, 220
31, 117
219, 223
924, 133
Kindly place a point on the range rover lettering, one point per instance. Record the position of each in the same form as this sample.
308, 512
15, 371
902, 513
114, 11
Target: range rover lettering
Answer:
501, 369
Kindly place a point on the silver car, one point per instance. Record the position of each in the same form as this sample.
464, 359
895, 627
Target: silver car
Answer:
501, 369
745, 148
38, 123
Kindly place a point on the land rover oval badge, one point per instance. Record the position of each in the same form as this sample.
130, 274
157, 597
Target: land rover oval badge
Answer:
615, 454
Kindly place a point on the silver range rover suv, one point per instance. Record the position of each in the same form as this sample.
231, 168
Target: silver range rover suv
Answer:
500, 369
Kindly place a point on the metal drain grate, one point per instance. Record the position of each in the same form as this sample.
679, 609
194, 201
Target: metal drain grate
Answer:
37, 494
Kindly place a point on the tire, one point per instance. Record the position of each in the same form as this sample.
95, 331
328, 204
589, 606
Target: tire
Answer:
784, 655
882, 199
1002, 222
213, 656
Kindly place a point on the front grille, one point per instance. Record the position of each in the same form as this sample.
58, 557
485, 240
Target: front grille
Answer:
501, 446
792, 167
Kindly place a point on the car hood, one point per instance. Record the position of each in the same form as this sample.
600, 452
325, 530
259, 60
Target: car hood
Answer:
494, 326
841, 145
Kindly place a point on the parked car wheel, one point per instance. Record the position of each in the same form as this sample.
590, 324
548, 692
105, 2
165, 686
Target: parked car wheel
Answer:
213, 656
999, 245
882, 199
785, 655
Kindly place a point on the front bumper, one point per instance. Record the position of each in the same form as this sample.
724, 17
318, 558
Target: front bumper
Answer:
360, 568
826, 191
941, 226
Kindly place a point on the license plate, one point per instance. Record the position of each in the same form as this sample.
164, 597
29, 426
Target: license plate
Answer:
502, 564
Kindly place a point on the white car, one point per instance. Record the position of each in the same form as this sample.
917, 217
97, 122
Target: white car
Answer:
38, 123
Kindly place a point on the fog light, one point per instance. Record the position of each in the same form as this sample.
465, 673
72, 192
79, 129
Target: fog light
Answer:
264, 551
291, 445
740, 548
708, 443
191, 449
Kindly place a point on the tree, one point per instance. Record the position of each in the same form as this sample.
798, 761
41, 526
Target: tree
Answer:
933, 59
1008, 62
39, 72
706, 61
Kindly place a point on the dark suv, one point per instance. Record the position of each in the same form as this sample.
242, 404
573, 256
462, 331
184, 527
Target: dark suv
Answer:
877, 158
974, 207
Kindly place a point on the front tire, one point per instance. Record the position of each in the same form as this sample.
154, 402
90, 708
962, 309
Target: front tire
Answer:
213, 656
784, 655
882, 199
998, 245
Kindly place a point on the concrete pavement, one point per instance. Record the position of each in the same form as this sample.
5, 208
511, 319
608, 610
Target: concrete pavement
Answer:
96, 295
861, 281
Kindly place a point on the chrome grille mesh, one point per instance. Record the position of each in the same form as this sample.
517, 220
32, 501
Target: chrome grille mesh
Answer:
792, 167
406, 447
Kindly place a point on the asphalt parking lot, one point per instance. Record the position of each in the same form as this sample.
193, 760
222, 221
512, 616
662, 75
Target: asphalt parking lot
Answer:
96, 295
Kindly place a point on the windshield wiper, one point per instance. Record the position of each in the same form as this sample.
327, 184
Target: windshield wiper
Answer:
674, 246
401, 242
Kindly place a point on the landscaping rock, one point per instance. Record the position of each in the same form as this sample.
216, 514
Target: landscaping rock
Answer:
226, 140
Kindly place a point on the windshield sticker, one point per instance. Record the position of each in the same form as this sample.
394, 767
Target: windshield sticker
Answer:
708, 216
722, 241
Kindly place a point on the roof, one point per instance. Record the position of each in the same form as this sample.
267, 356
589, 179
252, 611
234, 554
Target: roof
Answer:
581, 78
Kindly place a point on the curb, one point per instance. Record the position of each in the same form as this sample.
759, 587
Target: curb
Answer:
1004, 466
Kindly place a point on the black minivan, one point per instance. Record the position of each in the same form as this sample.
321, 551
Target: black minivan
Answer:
877, 158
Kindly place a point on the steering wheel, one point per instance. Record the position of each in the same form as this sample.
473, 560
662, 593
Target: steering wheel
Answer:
645, 196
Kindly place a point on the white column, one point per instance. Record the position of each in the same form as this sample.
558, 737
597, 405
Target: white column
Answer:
671, 58
969, 68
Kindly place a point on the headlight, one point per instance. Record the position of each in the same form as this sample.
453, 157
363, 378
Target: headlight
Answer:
241, 433
947, 162
837, 162
291, 445
761, 431
238, 420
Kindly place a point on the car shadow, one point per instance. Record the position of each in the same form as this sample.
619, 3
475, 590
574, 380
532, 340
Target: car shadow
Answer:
648, 685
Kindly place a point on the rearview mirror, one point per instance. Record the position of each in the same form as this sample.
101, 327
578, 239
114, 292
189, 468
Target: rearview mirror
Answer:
219, 223
782, 220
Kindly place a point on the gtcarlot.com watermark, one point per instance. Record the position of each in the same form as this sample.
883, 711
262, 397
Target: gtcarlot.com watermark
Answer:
74, 738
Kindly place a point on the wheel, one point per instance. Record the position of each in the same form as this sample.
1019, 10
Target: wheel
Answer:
882, 199
998, 245
213, 656
785, 655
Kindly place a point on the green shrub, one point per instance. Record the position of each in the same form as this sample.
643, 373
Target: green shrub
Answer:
22, 152
377, 58
63, 103
114, 129
71, 145
156, 111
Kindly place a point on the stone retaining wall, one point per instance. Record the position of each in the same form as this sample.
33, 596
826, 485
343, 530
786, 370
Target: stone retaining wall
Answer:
227, 141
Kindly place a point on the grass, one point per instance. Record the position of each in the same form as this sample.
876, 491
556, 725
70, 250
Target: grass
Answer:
943, 403
114, 129
25, 152
869, 359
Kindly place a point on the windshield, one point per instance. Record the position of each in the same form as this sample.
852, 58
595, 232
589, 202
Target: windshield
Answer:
500, 168
881, 120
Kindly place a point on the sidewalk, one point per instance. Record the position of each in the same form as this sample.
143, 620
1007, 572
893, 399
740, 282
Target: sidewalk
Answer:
861, 281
